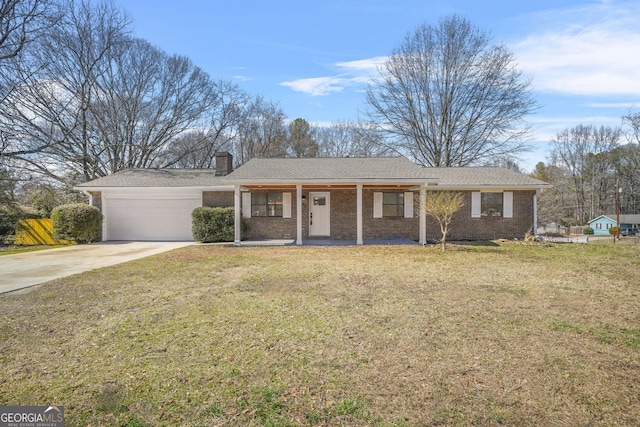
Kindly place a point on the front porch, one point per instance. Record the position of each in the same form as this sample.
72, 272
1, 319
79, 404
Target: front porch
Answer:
345, 214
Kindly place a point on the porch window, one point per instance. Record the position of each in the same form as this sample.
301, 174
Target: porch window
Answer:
393, 204
266, 204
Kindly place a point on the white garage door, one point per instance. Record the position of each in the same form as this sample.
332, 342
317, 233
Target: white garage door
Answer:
150, 219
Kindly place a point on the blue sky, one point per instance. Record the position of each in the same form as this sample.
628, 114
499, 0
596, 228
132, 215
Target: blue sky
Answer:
315, 58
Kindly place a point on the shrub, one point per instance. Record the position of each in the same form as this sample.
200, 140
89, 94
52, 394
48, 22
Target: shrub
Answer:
587, 230
77, 221
212, 225
8, 220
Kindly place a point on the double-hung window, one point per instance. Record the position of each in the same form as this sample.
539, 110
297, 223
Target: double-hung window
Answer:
492, 204
393, 204
266, 204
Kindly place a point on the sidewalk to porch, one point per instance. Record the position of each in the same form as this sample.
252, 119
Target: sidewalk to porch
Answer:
326, 242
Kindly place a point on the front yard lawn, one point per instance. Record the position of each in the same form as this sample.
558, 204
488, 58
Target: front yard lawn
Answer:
504, 334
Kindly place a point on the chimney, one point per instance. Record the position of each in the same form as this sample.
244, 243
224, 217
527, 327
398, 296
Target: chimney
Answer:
224, 163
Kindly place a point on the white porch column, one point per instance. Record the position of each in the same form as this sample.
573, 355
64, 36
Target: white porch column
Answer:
359, 240
423, 214
299, 214
238, 215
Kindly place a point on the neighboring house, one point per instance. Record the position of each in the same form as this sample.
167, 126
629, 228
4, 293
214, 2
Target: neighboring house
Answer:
354, 199
603, 223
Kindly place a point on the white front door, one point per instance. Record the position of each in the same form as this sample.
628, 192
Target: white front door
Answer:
319, 214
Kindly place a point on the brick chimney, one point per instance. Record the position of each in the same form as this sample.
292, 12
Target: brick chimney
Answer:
224, 163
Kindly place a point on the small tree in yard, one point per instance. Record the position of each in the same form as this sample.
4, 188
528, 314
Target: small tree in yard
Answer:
442, 205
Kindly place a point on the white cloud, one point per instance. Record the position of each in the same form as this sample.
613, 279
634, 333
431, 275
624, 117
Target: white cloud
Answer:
317, 86
584, 51
369, 66
352, 74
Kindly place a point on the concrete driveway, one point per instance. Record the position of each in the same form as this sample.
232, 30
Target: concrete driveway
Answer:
33, 268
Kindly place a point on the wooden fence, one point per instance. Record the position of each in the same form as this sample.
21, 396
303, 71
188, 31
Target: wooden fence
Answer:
36, 232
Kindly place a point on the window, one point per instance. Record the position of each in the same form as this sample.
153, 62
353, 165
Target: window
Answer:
393, 204
491, 204
266, 204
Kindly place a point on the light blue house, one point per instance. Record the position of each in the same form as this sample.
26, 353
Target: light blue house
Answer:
603, 223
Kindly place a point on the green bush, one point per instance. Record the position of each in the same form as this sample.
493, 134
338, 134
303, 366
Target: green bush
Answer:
8, 220
77, 221
211, 225
587, 230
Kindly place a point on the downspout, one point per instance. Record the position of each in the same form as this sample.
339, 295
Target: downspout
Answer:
535, 212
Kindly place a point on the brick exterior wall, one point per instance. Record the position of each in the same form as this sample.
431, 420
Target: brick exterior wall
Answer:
389, 227
218, 199
273, 227
463, 227
344, 221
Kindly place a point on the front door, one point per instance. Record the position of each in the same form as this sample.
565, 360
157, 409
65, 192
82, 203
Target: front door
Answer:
319, 214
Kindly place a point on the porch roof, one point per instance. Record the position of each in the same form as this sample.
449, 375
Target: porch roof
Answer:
380, 170
332, 170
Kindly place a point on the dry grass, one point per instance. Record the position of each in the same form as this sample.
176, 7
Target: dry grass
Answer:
503, 334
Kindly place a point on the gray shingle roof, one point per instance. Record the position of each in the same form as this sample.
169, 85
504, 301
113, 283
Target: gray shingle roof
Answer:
157, 178
345, 168
380, 168
624, 218
334, 170
484, 177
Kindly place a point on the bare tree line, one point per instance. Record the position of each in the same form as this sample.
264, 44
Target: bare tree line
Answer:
584, 165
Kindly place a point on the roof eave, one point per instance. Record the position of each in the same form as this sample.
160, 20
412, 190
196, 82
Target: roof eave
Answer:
333, 181
217, 187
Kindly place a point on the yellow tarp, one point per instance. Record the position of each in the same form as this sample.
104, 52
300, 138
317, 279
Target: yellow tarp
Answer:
36, 232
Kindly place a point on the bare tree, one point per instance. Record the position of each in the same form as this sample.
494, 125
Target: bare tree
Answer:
98, 101
449, 98
262, 131
21, 21
584, 152
632, 120
49, 114
350, 139
144, 101
556, 203
442, 205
